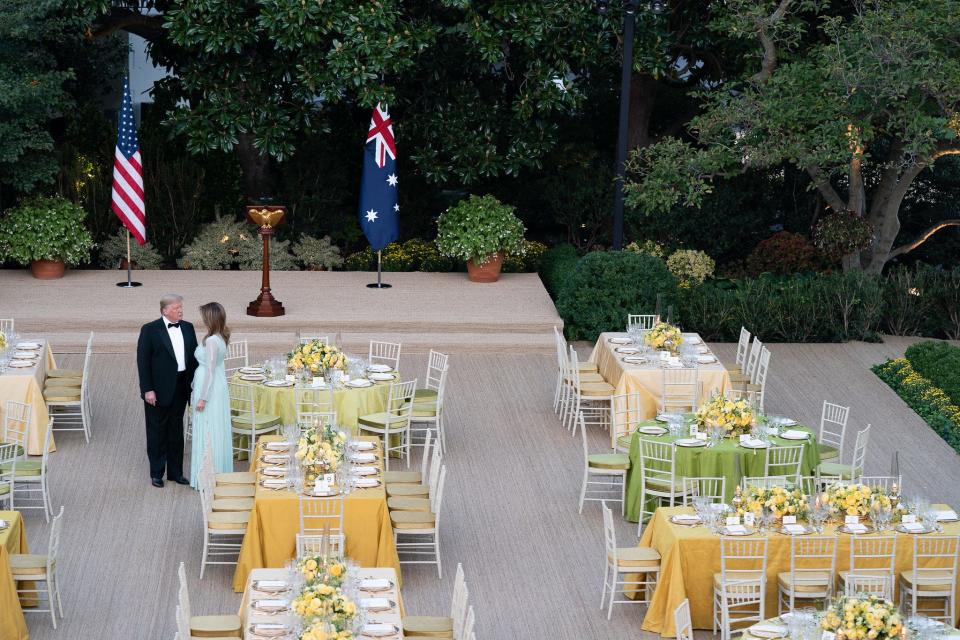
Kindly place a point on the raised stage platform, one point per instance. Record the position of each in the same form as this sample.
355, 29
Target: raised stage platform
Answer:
423, 310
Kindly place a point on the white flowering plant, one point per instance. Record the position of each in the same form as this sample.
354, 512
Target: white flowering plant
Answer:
43, 228
478, 228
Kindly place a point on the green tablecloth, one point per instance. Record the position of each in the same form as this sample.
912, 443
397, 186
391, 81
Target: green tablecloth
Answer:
727, 459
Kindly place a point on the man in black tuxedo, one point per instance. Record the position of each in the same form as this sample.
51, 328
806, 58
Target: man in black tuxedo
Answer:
166, 365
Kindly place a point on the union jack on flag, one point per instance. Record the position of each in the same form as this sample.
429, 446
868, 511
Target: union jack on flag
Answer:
127, 195
379, 212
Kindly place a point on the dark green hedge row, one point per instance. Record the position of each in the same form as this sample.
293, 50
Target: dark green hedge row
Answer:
923, 396
596, 293
938, 362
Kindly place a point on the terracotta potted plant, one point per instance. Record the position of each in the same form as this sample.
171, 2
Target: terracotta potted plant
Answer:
480, 230
46, 233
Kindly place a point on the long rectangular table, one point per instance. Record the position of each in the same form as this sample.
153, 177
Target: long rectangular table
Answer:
647, 379
26, 385
12, 540
270, 539
689, 556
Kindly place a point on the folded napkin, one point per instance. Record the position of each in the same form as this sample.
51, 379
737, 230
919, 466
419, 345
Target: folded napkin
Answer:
768, 630
621, 340
4, 524
276, 457
736, 529
755, 443
269, 629
276, 446
271, 584
364, 445
365, 471
375, 584
378, 629
271, 605
912, 526
366, 483
946, 515
275, 482
794, 528
794, 434
375, 603
856, 528
275, 471
363, 457
626, 350
706, 359
686, 517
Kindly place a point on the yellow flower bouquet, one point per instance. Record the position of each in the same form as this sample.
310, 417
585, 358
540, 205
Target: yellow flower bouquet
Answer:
664, 337
863, 618
316, 356
324, 603
322, 569
321, 449
854, 499
779, 500
3, 340
734, 417
322, 630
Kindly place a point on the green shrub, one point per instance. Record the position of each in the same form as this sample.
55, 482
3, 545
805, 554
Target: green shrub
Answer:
649, 247
608, 285
923, 396
424, 256
412, 255
528, 262
785, 253
557, 263
909, 303
43, 228
939, 362
364, 260
478, 227
317, 253
226, 242
114, 249
691, 266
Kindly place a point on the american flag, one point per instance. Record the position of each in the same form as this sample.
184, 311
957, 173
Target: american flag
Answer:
127, 196
379, 210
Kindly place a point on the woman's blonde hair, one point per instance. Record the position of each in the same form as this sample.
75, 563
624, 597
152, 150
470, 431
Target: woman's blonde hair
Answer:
214, 316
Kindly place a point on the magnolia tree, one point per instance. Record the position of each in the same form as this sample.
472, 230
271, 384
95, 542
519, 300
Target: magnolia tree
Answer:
863, 100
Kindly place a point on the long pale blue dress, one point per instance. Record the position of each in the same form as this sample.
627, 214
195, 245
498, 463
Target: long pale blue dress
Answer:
210, 384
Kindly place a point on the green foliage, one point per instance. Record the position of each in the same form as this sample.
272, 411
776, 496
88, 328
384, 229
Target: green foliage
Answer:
527, 262
412, 255
227, 242
649, 247
840, 234
43, 228
556, 265
923, 396
785, 253
114, 249
478, 227
596, 297
691, 266
317, 253
939, 362
909, 304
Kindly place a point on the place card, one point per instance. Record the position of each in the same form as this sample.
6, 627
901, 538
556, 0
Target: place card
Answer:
946, 515
908, 518
848, 520
745, 438
828, 635
321, 485
749, 519
345, 378
694, 429
700, 436
789, 520
329, 478
733, 520
376, 604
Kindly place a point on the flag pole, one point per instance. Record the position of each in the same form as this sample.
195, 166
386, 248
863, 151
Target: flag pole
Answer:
129, 284
378, 284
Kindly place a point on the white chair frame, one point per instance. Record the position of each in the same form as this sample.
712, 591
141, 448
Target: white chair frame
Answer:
331, 545
833, 426
866, 585
646, 320
743, 583
934, 565
612, 570
871, 556
784, 461
626, 415
680, 390
607, 481
16, 426
304, 338
8, 454
311, 401
764, 482
51, 582
885, 482
75, 414
6, 326
321, 515
237, 356
714, 488
743, 348
428, 547
599, 407
385, 353
658, 464
27, 486
682, 622
399, 407
763, 368
219, 544
436, 380
818, 556
242, 404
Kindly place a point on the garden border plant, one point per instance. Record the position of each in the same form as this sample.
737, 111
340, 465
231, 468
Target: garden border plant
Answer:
926, 399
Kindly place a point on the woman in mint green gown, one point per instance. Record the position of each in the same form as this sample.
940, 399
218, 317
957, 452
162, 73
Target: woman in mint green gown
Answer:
211, 398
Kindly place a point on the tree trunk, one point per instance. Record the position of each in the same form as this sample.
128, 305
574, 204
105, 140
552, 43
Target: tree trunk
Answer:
643, 95
259, 177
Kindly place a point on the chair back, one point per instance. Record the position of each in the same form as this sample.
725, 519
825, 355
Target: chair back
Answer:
237, 356
321, 516
882, 482
752, 397
434, 460
385, 353
626, 417
85, 379
458, 604
573, 368
681, 390
857, 585
436, 499
753, 359
713, 488
743, 568
16, 424
241, 402
468, 624
935, 562
658, 462
812, 485
183, 626
306, 337
609, 535
561, 345
437, 365
53, 547
682, 622
784, 461
743, 348
812, 557
873, 555
6, 326
183, 594
433, 480
646, 321
328, 546
764, 482
860, 452
313, 405
833, 425
8, 458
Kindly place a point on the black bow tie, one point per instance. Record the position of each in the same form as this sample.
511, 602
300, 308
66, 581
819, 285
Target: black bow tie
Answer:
175, 325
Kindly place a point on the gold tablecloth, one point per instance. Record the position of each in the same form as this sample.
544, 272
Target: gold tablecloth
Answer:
12, 540
26, 385
270, 539
349, 403
647, 379
689, 556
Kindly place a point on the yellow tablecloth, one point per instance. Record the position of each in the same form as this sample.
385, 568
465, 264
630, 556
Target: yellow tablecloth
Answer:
12, 540
647, 379
348, 403
270, 539
689, 556
26, 385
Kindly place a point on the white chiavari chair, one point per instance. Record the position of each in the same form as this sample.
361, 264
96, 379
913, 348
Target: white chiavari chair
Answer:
29, 568
304, 338
468, 623
680, 392
427, 416
813, 561
759, 383
747, 374
743, 348
246, 421
752, 397
873, 556
645, 321
932, 578
644, 562
6, 326
68, 406
387, 353
784, 461
226, 498
16, 426
587, 372
682, 622
855, 468
883, 482
393, 423
414, 484
417, 502
8, 471
237, 356
714, 489
833, 430
223, 531
764, 482
865, 585
739, 590
329, 546
32, 490
191, 626
442, 626
604, 475
658, 477
593, 399
625, 418
815, 485
314, 406
321, 515
417, 533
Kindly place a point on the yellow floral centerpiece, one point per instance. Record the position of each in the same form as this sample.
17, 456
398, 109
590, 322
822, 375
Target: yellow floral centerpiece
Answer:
854, 499
779, 500
735, 417
322, 569
664, 337
863, 618
3, 340
316, 356
325, 603
321, 449
321, 630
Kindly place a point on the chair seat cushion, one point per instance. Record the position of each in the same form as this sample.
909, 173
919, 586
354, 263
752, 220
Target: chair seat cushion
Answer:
931, 580
731, 367
596, 389
407, 490
4, 488
412, 519
609, 461
233, 504
422, 409
62, 382
586, 367
624, 442
65, 373
208, 626
754, 387
228, 519
739, 377
62, 394
381, 420
236, 477
28, 564
865, 572
635, 557
408, 504
261, 420
24, 467
836, 469
234, 491
402, 477
745, 582
663, 484
425, 394
807, 581
827, 451
589, 378
419, 625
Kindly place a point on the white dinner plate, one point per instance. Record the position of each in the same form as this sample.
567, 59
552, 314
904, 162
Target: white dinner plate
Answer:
278, 383
251, 369
706, 359
365, 471
627, 350
22, 364
366, 483
619, 340
379, 368
29, 346
253, 377
795, 435
692, 338
652, 431
359, 383
363, 445
690, 442
755, 445
381, 377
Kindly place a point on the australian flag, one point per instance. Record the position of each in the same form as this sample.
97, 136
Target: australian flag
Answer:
379, 211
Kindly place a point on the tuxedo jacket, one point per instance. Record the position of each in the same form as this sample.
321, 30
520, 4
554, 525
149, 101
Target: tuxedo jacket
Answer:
157, 362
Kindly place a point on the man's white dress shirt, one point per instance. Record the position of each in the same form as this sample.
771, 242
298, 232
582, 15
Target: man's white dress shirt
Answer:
176, 337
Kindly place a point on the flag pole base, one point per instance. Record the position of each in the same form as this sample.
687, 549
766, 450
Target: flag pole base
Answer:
379, 285
129, 285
